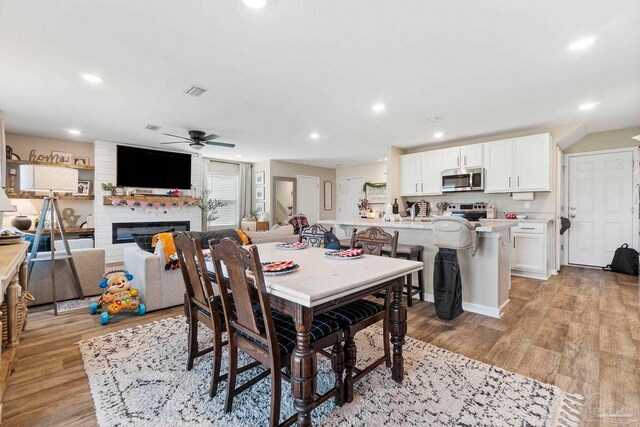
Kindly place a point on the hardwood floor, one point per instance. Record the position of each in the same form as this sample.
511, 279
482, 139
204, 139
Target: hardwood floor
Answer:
579, 330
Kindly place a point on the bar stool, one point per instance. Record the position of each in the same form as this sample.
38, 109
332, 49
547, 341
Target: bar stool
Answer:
410, 252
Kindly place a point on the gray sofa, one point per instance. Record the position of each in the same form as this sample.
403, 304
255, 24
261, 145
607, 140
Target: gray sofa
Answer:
160, 288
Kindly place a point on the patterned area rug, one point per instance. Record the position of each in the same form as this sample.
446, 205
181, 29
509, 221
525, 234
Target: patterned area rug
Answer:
137, 378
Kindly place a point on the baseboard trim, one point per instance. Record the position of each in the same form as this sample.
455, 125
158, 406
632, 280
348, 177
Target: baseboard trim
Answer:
475, 308
530, 274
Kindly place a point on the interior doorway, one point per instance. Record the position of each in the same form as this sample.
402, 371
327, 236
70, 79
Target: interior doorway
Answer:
350, 193
600, 208
308, 197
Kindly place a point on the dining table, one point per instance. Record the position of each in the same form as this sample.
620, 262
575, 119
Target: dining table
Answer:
322, 283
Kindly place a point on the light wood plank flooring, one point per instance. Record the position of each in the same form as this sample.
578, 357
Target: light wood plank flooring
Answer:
579, 330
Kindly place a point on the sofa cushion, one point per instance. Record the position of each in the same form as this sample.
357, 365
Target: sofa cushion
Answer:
205, 236
144, 241
43, 246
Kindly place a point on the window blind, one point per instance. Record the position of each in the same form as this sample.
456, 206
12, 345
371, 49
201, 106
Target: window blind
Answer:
224, 185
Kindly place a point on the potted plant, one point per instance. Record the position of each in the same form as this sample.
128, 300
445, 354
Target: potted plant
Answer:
107, 186
209, 208
364, 207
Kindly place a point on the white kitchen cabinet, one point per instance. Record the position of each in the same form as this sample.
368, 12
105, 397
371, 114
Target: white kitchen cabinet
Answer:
430, 172
471, 156
498, 162
532, 163
450, 158
410, 174
518, 164
529, 250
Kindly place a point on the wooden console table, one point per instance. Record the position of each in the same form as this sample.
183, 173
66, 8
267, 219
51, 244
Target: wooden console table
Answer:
13, 276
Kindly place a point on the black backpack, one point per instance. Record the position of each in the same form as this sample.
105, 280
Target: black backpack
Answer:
625, 261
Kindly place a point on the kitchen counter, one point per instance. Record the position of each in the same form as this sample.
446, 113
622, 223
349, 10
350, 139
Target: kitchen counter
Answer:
486, 277
484, 226
516, 221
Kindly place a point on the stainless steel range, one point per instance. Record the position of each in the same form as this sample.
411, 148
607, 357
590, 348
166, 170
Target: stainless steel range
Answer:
469, 211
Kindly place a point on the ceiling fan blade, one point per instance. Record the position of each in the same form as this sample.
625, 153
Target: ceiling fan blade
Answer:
174, 142
176, 136
211, 136
221, 144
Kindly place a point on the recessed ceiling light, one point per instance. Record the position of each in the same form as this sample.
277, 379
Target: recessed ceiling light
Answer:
91, 78
255, 4
239, 156
314, 135
74, 131
582, 43
378, 107
385, 159
379, 160
588, 106
438, 134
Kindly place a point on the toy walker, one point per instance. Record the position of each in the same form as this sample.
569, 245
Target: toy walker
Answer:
118, 296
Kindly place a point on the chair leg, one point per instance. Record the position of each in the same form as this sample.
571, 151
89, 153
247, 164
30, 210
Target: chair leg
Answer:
351, 353
337, 363
193, 339
385, 331
276, 384
421, 278
217, 358
231, 380
410, 289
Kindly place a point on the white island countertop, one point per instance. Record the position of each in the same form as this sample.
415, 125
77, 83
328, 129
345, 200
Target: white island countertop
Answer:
486, 226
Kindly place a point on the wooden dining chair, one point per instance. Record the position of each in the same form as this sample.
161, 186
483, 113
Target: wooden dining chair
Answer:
264, 334
314, 235
363, 313
201, 306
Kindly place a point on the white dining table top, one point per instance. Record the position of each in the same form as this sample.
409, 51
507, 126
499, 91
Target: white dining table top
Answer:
320, 278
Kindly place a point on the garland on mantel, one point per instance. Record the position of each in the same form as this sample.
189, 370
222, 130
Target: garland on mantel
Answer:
132, 204
373, 185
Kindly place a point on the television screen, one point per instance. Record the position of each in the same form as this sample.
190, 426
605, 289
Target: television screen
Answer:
143, 168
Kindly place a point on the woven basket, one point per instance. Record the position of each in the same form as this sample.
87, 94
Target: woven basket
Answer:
20, 318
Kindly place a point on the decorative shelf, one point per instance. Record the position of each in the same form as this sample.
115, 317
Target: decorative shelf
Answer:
70, 230
182, 200
26, 162
33, 197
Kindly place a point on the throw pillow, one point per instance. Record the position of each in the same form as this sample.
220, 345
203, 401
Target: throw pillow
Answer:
43, 246
205, 236
144, 241
243, 237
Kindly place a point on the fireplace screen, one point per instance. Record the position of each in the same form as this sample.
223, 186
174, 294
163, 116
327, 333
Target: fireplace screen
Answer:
121, 231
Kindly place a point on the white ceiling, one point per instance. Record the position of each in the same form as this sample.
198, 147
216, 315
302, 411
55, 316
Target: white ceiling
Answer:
294, 67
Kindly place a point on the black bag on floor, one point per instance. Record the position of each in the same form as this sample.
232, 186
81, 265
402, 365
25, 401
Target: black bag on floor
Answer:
625, 261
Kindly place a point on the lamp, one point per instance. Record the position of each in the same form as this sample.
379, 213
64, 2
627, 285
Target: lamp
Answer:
52, 179
5, 204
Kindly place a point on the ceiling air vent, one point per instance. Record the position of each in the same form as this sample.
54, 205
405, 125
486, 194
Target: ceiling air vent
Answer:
152, 127
196, 91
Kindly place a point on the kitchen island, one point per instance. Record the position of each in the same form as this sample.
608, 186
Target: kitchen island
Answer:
486, 277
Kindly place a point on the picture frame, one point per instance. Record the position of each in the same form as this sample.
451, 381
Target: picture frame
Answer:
260, 207
81, 161
63, 158
376, 193
259, 178
328, 195
84, 188
118, 191
259, 193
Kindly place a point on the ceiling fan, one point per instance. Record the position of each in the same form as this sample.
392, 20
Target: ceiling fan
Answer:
197, 139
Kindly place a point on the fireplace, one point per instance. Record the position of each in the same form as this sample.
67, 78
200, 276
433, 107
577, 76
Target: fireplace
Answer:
121, 231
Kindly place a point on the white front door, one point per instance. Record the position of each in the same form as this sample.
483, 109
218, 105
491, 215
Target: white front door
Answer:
600, 203
308, 197
350, 193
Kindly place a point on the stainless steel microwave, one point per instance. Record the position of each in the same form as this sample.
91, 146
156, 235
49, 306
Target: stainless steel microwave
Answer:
471, 179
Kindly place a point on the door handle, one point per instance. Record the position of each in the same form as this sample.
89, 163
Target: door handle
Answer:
518, 182
573, 208
422, 187
465, 160
416, 187
572, 215
509, 182
458, 160
514, 243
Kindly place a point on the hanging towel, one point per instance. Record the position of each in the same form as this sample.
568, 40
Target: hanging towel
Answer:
447, 284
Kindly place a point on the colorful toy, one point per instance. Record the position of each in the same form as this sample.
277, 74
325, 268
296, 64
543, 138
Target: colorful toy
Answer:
118, 296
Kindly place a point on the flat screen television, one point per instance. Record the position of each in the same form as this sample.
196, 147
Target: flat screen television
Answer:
143, 168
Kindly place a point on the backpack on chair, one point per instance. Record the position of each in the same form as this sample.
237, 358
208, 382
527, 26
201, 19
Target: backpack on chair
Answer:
625, 261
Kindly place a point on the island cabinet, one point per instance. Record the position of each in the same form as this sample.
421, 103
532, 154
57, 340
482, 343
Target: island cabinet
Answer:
421, 173
529, 250
518, 164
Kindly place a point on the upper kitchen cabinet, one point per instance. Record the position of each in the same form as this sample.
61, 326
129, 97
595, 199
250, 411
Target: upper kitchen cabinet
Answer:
532, 163
518, 165
420, 173
469, 156
498, 160
410, 169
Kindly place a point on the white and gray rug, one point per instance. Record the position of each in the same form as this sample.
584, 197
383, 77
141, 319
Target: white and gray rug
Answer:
137, 378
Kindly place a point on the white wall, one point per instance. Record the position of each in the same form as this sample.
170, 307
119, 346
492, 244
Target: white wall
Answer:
105, 215
373, 172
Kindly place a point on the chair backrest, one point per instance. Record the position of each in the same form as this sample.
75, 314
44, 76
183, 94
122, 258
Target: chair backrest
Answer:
314, 235
454, 232
238, 262
194, 272
373, 239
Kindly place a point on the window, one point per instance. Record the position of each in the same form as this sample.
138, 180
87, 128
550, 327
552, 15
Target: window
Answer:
224, 185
